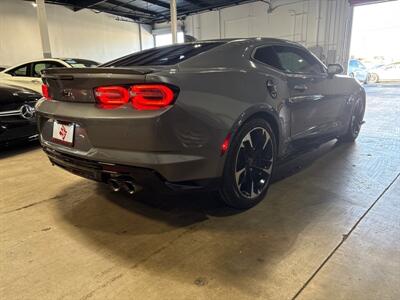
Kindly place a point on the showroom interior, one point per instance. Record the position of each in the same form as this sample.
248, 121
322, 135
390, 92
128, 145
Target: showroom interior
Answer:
329, 225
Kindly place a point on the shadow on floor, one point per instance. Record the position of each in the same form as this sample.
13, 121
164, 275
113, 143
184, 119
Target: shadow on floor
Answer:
19, 148
184, 209
235, 249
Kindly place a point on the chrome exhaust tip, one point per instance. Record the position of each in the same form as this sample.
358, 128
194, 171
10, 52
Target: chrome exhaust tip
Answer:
115, 185
129, 187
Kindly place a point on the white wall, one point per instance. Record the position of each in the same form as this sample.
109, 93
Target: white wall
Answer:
323, 23
147, 37
82, 34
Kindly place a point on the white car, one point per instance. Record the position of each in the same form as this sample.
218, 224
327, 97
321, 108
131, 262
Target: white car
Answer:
28, 74
389, 72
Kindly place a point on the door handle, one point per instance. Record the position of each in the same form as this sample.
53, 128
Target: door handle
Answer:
35, 81
301, 87
271, 87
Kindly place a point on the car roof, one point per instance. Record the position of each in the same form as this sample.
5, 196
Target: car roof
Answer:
33, 61
252, 40
61, 60
74, 58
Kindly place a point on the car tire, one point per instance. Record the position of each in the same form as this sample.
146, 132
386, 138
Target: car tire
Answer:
373, 78
356, 120
366, 79
249, 165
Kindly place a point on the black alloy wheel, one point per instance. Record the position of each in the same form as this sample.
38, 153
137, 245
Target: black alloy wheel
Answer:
356, 121
249, 165
254, 162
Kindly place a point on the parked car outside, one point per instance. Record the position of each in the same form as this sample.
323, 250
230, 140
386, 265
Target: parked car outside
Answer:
358, 70
17, 114
205, 115
28, 74
390, 72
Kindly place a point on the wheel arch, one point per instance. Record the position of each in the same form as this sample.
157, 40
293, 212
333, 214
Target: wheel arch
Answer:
271, 121
264, 112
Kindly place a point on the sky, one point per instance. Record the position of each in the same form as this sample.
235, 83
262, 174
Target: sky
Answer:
376, 31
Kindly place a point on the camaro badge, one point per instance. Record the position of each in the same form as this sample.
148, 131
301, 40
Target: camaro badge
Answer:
67, 93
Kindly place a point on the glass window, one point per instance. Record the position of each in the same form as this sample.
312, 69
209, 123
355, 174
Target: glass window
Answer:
268, 56
38, 67
392, 67
361, 66
168, 55
20, 71
295, 60
81, 63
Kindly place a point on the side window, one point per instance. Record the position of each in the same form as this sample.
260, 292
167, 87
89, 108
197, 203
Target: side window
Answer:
21, 71
390, 67
268, 56
39, 66
295, 60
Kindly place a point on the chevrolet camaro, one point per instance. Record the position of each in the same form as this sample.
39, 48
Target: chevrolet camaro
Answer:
214, 114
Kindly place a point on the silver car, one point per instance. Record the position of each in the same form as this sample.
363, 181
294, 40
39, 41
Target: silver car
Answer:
390, 72
214, 114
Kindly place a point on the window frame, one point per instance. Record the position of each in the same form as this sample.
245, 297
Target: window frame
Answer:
323, 67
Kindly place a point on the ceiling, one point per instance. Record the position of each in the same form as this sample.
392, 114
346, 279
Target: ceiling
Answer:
146, 11
153, 11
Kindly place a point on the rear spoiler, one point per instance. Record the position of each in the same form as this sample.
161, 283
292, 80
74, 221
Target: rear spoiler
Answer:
59, 73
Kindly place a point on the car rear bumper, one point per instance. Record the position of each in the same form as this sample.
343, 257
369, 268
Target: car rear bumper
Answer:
104, 172
172, 142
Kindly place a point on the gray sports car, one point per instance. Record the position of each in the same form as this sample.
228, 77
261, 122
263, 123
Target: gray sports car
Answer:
214, 114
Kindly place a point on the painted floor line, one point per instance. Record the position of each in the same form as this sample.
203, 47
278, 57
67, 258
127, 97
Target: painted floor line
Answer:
345, 237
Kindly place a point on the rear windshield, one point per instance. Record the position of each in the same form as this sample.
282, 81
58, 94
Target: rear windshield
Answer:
169, 55
80, 63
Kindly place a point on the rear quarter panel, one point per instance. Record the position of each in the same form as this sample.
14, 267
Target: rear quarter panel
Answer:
214, 102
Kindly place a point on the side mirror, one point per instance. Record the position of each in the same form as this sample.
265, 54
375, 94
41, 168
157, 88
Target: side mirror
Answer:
334, 69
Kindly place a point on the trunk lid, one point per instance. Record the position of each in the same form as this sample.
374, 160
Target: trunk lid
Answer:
78, 84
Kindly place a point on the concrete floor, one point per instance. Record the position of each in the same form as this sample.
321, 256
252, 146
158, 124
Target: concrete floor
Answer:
330, 229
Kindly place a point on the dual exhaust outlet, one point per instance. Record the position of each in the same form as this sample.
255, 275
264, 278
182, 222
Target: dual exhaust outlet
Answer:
127, 185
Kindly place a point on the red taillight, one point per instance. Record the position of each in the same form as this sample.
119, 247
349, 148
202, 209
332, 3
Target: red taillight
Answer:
112, 95
151, 96
143, 96
45, 91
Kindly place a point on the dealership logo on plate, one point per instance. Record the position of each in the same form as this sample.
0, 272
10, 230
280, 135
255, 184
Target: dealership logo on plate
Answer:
63, 132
